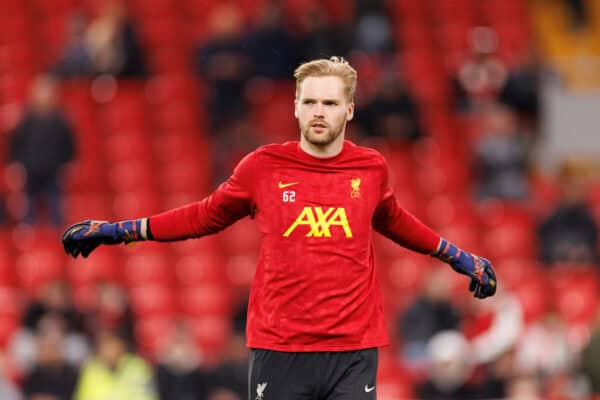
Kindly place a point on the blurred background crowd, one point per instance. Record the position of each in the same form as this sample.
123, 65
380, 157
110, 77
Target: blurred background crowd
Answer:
487, 111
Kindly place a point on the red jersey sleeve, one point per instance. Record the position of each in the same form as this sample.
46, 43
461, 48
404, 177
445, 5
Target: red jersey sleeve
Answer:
231, 201
399, 225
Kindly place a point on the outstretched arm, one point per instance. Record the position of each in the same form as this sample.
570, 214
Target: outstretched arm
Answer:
229, 203
399, 225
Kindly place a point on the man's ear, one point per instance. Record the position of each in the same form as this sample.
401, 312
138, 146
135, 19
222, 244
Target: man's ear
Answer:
296, 108
350, 112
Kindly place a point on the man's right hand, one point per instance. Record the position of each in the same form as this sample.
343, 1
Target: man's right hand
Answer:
83, 237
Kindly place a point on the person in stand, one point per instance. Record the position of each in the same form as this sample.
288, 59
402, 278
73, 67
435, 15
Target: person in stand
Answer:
315, 314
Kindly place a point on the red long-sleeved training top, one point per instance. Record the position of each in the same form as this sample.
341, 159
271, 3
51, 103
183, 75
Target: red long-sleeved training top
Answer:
315, 287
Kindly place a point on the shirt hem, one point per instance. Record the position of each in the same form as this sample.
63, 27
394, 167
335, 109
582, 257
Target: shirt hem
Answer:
295, 348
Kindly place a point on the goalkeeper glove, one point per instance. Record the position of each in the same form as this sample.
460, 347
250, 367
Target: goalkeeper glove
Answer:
483, 279
83, 237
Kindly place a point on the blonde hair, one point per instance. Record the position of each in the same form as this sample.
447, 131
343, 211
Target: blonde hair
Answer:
335, 66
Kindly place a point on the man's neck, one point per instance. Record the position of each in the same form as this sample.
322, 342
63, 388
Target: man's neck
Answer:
330, 150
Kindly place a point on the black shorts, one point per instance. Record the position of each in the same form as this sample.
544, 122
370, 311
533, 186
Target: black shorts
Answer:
338, 375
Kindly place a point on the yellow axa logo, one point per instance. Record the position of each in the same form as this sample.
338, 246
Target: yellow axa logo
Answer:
320, 221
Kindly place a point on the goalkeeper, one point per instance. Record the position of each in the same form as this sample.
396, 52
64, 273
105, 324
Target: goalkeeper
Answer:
315, 313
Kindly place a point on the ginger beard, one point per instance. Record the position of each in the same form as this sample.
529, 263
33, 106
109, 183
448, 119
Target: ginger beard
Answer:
321, 133
322, 110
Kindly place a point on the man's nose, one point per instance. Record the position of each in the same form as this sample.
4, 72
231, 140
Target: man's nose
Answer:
318, 110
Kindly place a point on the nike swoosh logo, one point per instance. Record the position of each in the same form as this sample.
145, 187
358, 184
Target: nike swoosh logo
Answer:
282, 185
369, 389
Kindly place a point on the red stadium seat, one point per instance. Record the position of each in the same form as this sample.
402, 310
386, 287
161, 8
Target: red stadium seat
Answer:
241, 269
198, 269
169, 88
406, 275
104, 265
191, 247
184, 176
161, 31
52, 8
129, 205
454, 10
38, 267
127, 147
152, 301
171, 59
415, 35
7, 268
532, 293
13, 8
79, 207
515, 272
576, 291
84, 296
150, 10
176, 146
177, 117
135, 176
8, 327
205, 300
12, 302
148, 267
211, 334
151, 332
272, 112
504, 11
241, 238
444, 211
408, 10
84, 176
510, 230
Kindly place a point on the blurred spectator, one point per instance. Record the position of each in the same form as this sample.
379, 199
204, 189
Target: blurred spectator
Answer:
272, 50
544, 347
178, 372
55, 300
114, 373
113, 43
76, 59
391, 114
8, 390
41, 144
523, 387
430, 313
230, 377
501, 156
482, 76
320, 38
26, 347
112, 311
590, 358
521, 89
233, 144
52, 377
570, 233
372, 28
493, 327
224, 65
449, 368
578, 13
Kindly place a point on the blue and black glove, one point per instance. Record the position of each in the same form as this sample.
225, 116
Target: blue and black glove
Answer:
83, 237
483, 279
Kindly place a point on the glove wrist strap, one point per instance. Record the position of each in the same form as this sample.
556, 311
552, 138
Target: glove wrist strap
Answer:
447, 251
134, 230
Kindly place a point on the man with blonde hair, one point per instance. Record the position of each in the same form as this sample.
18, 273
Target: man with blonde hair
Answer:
315, 315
